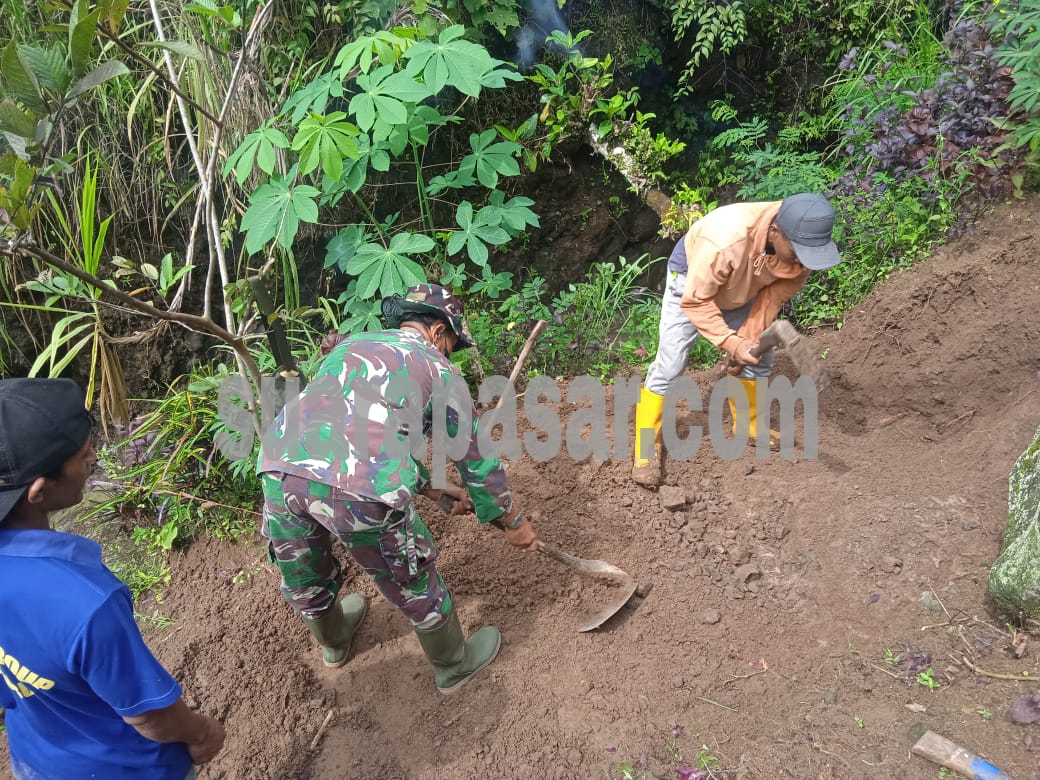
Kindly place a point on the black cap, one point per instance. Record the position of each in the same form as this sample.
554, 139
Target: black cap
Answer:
43, 422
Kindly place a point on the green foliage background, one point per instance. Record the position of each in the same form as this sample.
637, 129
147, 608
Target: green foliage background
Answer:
341, 151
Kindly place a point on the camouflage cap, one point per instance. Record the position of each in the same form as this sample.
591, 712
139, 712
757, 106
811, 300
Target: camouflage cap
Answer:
429, 298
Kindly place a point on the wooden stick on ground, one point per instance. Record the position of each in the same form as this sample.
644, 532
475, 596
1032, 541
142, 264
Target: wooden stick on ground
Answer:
997, 675
321, 729
536, 331
717, 704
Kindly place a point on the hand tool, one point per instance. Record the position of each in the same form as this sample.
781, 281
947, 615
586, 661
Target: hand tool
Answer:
799, 349
945, 753
627, 584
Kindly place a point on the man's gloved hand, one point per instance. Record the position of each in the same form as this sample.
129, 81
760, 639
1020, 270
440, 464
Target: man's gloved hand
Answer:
523, 535
741, 356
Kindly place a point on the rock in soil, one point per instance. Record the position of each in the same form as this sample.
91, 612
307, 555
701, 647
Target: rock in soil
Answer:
711, 617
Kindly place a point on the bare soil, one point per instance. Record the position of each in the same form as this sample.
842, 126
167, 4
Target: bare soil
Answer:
783, 594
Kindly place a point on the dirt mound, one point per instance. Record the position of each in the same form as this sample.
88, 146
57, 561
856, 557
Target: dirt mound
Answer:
796, 606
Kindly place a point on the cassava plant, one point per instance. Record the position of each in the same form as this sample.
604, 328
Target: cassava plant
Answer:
364, 126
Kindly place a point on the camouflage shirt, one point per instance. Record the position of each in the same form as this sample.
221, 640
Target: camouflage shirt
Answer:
356, 425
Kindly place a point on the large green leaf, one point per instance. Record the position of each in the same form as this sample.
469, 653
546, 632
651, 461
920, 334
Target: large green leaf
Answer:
411, 243
106, 71
20, 81
515, 213
405, 88
492, 283
398, 139
326, 141
497, 78
15, 120
357, 53
275, 212
450, 61
361, 314
420, 120
423, 119
376, 99
82, 29
453, 180
477, 232
382, 130
363, 107
258, 147
313, 98
489, 159
417, 130
116, 14
389, 269
341, 249
384, 47
379, 156
48, 66
355, 171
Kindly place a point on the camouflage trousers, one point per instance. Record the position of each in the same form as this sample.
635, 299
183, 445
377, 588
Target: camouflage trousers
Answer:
393, 546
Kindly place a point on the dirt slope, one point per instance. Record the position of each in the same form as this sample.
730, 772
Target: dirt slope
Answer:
777, 592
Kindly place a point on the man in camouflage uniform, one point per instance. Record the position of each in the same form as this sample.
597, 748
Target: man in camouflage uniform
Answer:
339, 461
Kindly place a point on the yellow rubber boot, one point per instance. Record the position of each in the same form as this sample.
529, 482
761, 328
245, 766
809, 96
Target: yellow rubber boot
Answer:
750, 387
647, 471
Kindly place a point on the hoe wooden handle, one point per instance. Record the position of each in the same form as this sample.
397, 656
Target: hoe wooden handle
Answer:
536, 331
952, 756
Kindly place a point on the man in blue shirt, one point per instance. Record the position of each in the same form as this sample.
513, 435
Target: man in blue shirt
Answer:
84, 697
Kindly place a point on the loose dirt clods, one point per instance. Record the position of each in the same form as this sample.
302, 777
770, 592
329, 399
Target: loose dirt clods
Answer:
776, 591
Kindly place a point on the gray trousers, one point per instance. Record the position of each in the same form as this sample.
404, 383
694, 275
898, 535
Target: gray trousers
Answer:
678, 335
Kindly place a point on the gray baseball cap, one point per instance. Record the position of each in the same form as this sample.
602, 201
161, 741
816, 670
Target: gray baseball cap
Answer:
807, 220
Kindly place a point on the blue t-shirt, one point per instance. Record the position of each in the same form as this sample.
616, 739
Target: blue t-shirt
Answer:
73, 664
677, 259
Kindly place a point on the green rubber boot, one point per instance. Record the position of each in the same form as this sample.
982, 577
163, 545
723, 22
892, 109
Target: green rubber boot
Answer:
456, 659
336, 628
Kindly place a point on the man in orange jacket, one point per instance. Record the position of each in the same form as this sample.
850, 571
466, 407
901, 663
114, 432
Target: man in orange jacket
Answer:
727, 279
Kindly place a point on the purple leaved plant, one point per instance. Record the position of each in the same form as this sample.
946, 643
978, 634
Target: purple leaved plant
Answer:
951, 132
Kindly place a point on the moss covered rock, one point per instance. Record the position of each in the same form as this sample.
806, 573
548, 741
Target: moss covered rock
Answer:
1014, 579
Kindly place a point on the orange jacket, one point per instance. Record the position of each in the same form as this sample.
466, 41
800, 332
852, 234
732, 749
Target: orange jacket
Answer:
727, 266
